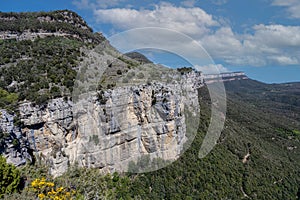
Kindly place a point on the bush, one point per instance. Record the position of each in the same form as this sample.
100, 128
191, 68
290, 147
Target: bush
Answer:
47, 190
9, 178
140, 75
119, 72
8, 100
125, 80
55, 92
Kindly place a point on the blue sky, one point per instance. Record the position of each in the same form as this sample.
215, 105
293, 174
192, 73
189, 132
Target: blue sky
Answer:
260, 37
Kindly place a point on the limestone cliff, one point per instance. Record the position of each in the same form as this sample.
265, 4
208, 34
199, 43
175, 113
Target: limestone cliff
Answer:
106, 129
13, 144
224, 77
133, 121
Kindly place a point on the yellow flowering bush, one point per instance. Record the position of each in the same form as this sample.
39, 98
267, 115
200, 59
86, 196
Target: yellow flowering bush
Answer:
46, 190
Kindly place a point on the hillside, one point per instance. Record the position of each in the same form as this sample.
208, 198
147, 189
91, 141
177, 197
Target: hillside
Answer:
257, 156
138, 56
73, 109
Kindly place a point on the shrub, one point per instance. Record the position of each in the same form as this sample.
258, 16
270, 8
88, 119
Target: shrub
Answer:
119, 72
9, 178
47, 190
55, 92
140, 75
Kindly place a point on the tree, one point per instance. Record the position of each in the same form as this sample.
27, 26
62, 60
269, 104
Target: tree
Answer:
9, 178
55, 92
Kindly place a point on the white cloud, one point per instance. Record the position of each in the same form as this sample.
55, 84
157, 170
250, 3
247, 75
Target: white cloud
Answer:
222, 43
212, 68
276, 44
219, 2
191, 21
277, 35
82, 4
293, 7
95, 4
161, 39
188, 3
284, 60
267, 45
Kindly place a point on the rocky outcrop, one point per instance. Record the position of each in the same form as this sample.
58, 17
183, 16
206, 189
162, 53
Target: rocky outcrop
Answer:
110, 128
30, 35
48, 129
106, 129
131, 122
13, 144
65, 17
224, 77
29, 26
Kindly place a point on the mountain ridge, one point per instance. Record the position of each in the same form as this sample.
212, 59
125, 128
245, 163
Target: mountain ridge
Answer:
43, 24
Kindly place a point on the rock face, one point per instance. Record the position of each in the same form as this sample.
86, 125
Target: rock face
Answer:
13, 144
134, 121
48, 129
107, 129
224, 77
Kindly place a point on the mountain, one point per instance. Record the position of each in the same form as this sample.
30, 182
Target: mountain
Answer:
69, 98
138, 56
71, 104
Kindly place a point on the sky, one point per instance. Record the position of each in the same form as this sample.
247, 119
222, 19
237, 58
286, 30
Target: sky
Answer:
260, 37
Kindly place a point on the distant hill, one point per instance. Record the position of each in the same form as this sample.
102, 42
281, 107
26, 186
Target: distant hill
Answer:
138, 57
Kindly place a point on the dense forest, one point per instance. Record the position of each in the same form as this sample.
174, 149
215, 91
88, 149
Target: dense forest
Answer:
270, 172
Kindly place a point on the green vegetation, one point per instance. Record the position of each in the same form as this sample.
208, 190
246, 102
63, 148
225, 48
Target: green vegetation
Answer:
45, 67
138, 57
130, 63
9, 178
39, 70
20, 22
262, 121
8, 100
296, 132
271, 171
76, 183
287, 133
95, 139
184, 70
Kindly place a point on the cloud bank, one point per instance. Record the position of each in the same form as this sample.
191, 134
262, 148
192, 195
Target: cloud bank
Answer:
266, 45
292, 6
